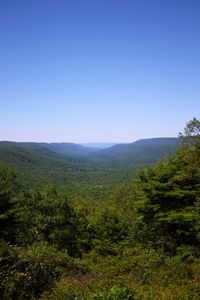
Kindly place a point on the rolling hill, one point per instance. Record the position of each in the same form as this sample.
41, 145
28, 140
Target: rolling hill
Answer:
141, 151
70, 149
82, 170
34, 164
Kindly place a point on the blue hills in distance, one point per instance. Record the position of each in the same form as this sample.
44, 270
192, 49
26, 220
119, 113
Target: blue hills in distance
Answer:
98, 145
153, 146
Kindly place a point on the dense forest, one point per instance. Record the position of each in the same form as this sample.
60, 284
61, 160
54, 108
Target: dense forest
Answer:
90, 173
114, 224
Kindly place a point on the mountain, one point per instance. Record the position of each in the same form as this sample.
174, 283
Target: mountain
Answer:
80, 170
70, 149
36, 165
142, 151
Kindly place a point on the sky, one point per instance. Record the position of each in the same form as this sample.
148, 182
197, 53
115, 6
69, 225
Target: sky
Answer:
98, 70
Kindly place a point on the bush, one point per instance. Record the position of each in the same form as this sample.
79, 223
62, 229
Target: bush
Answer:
30, 271
67, 291
9, 277
116, 292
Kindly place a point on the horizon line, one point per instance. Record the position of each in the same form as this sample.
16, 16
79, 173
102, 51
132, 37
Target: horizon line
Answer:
81, 143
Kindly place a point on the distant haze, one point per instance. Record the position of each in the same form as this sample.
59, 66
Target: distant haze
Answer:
99, 145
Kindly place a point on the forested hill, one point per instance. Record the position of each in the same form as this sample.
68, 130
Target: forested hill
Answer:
156, 147
146, 146
142, 151
70, 149
34, 164
84, 169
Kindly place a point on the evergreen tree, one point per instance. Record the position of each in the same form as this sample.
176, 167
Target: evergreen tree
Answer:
8, 190
172, 195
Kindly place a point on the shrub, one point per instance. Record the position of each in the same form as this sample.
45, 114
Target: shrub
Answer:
30, 271
116, 292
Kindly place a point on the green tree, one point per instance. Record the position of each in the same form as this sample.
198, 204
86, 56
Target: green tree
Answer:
8, 191
26, 272
48, 215
172, 195
110, 229
191, 134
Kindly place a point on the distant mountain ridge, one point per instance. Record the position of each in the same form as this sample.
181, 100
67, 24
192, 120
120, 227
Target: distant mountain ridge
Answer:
100, 148
70, 149
80, 168
142, 151
149, 144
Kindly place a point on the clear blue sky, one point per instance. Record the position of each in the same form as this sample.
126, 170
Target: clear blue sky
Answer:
98, 70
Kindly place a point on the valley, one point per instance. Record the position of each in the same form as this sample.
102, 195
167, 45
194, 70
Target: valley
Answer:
83, 171
116, 223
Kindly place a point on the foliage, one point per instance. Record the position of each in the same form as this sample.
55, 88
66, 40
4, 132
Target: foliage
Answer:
80, 172
172, 193
8, 190
110, 229
116, 292
140, 243
48, 215
138, 275
191, 133
27, 272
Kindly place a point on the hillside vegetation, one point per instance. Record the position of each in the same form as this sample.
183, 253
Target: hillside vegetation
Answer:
85, 171
140, 242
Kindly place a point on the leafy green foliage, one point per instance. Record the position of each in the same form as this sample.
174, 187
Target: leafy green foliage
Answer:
48, 215
103, 292
140, 243
191, 133
8, 190
138, 273
116, 292
172, 203
110, 229
27, 272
